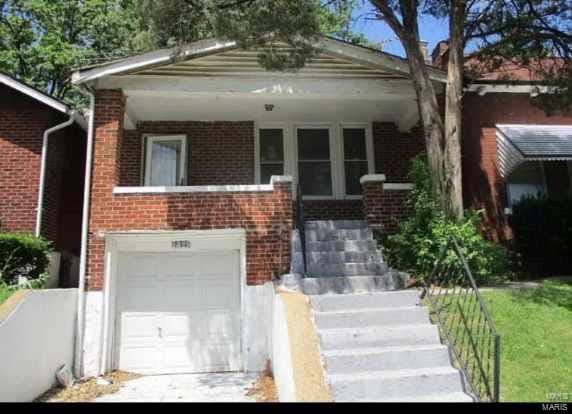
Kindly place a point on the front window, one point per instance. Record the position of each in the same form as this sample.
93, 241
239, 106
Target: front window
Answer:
271, 153
165, 161
526, 181
314, 161
355, 159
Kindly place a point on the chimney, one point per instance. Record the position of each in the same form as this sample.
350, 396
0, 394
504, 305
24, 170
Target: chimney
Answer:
424, 49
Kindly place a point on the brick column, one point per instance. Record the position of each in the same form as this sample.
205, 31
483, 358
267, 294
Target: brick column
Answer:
109, 112
372, 200
284, 204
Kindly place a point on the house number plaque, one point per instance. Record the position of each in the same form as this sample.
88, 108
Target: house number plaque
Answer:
181, 244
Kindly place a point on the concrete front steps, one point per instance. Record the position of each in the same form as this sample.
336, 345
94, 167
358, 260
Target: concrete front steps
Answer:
382, 346
342, 257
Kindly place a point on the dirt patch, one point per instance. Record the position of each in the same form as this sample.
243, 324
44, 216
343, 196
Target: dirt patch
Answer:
304, 343
88, 390
264, 390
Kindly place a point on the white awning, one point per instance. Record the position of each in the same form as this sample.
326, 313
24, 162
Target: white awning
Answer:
519, 143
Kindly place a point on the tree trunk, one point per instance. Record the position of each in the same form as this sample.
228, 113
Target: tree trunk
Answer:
452, 195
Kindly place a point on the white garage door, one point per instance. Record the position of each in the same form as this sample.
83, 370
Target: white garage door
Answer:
178, 313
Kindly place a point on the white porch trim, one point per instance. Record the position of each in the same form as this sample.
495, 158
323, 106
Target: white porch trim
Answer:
205, 188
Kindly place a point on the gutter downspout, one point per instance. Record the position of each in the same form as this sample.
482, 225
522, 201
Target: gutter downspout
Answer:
78, 354
40, 209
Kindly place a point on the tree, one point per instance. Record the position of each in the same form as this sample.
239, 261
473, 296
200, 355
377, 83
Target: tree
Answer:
253, 23
526, 31
42, 41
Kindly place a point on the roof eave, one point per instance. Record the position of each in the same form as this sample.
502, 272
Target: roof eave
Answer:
342, 49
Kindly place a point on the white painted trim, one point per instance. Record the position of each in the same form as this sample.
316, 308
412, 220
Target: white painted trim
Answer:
34, 94
372, 178
206, 188
268, 88
193, 189
369, 148
156, 241
269, 125
368, 57
483, 88
152, 138
397, 186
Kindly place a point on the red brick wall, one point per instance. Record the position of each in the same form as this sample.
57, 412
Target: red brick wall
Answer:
230, 144
384, 209
266, 216
394, 150
483, 187
23, 122
333, 210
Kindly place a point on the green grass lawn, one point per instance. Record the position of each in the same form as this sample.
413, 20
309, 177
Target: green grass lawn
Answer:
5, 293
536, 330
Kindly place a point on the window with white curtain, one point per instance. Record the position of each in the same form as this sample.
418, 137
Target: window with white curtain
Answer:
165, 163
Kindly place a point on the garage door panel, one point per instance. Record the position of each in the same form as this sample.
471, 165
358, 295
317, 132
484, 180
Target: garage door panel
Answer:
179, 312
140, 359
138, 325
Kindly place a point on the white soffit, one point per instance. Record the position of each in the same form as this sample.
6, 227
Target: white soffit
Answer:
34, 93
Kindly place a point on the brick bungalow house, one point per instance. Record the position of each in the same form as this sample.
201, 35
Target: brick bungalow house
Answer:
197, 153
42, 163
511, 148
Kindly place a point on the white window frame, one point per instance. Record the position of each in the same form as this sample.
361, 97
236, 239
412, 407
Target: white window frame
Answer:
290, 142
333, 156
285, 150
369, 149
152, 138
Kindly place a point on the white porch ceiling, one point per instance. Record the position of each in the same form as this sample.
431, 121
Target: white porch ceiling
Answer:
224, 108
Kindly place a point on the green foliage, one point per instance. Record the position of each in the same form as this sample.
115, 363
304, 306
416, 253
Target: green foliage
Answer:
253, 23
542, 231
23, 255
41, 41
534, 325
420, 239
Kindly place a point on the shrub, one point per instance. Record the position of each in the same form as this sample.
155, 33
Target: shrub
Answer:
23, 255
542, 230
416, 246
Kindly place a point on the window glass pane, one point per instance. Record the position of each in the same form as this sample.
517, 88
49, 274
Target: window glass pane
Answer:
166, 163
526, 181
354, 171
268, 170
354, 144
315, 178
271, 146
313, 144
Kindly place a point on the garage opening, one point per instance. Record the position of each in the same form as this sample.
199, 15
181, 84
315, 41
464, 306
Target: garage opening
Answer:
178, 312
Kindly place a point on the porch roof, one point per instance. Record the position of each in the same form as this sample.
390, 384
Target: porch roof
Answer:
367, 62
519, 143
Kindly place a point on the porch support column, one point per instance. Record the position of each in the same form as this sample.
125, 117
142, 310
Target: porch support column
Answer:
109, 115
373, 200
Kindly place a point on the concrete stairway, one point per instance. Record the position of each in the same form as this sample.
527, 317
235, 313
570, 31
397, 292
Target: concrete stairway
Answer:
342, 257
382, 347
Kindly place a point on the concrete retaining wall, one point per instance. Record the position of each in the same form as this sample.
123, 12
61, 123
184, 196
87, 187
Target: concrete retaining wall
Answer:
281, 354
36, 338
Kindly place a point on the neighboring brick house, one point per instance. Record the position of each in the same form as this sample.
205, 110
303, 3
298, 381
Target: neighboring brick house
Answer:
197, 155
511, 148
26, 116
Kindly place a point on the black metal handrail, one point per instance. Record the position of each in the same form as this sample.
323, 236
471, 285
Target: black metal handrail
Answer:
465, 322
300, 224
